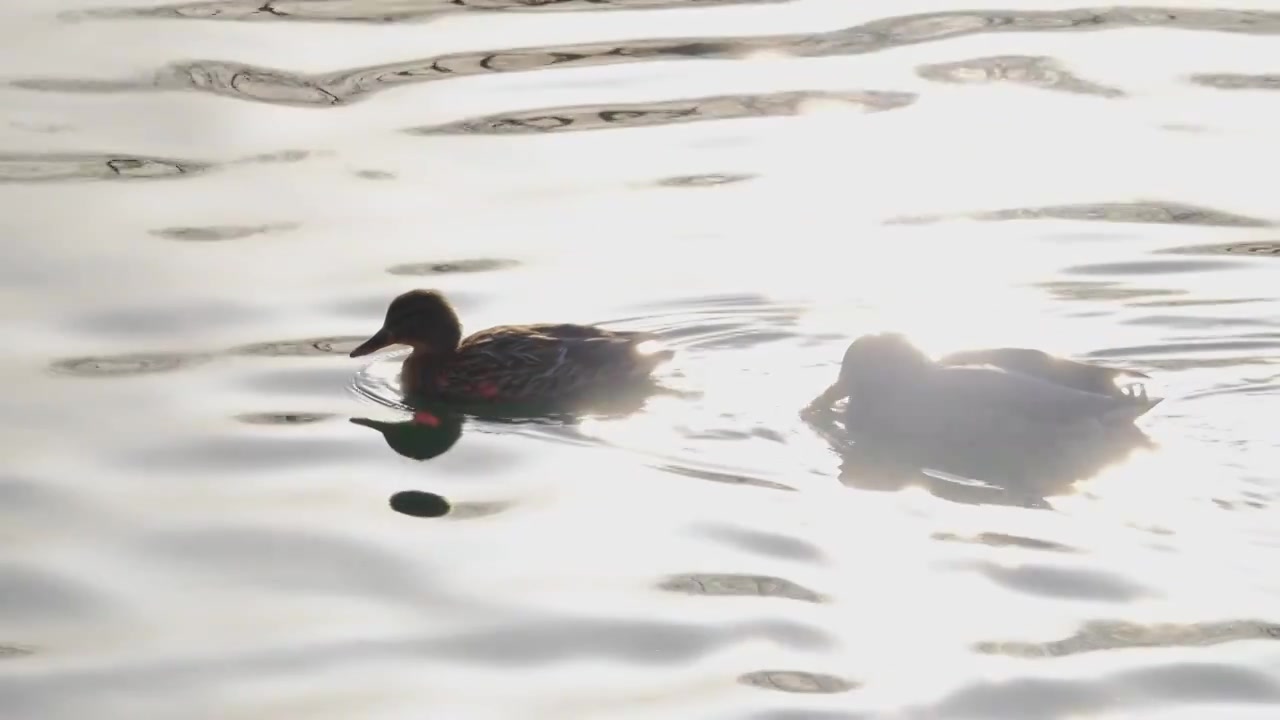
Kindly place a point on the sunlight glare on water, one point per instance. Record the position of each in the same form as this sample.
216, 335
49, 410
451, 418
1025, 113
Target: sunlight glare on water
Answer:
210, 511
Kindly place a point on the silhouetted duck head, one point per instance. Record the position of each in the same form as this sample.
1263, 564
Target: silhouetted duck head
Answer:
872, 361
422, 319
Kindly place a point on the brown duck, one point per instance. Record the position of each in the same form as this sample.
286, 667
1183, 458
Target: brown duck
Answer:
545, 363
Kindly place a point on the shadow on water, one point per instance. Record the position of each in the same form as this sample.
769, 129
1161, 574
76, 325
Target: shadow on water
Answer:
531, 641
417, 503
423, 504
760, 542
973, 468
271, 85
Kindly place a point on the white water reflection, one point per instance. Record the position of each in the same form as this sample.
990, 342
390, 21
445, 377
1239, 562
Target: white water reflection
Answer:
194, 525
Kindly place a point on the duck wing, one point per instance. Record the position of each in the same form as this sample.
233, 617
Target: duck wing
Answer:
544, 361
1087, 377
571, 331
1030, 398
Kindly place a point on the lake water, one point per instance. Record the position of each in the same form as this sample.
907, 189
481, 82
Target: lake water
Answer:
205, 205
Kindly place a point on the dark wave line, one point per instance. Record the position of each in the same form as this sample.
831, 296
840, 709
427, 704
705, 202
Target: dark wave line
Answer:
219, 233
370, 12
1115, 635
735, 585
1153, 212
66, 167
1233, 81
720, 107
798, 681
53, 167
1260, 248
327, 89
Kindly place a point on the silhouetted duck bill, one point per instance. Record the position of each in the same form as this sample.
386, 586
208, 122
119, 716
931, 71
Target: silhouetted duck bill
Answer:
380, 339
828, 398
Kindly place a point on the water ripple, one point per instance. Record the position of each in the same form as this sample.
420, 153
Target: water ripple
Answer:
9, 651
1113, 635
993, 539
272, 85
1055, 699
66, 167
53, 167
640, 642
764, 543
720, 107
797, 681
29, 594
738, 585
1034, 71
449, 267
1063, 583
1148, 211
301, 348
1231, 81
704, 180
129, 364
384, 11
293, 418
217, 233
723, 477
1262, 248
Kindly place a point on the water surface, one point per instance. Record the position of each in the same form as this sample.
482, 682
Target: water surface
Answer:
211, 512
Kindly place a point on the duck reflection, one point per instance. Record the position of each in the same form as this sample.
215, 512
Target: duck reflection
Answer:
428, 433
1005, 426
435, 427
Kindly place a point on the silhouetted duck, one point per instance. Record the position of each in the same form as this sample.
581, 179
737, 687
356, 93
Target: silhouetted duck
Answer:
892, 386
536, 364
1091, 378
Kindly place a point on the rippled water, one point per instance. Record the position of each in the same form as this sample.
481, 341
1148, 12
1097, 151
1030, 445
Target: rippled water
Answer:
209, 511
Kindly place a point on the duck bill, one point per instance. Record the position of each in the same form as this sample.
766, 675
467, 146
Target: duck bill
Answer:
380, 339
823, 402
369, 423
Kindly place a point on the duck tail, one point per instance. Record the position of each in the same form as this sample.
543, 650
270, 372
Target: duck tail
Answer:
1131, 409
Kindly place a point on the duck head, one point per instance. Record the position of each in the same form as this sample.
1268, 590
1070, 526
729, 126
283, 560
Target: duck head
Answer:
421, 319
874, 361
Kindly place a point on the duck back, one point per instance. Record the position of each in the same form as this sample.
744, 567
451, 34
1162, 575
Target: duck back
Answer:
983, 401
